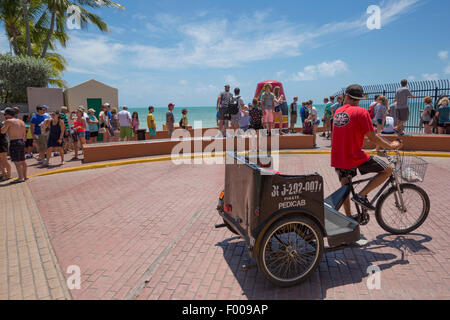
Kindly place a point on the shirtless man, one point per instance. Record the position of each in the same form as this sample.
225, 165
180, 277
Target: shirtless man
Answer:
5, 167
17, 132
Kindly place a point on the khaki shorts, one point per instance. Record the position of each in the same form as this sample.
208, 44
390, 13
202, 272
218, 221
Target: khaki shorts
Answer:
126, 132
41, 142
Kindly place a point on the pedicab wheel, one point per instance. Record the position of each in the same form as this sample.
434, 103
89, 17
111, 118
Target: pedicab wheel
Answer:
395, 220
290, 251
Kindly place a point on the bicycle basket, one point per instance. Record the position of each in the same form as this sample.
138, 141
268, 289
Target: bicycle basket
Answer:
411, 168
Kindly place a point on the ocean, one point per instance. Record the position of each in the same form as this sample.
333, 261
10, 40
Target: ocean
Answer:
205, 114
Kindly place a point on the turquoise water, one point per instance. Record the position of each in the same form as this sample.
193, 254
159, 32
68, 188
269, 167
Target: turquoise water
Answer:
205, 114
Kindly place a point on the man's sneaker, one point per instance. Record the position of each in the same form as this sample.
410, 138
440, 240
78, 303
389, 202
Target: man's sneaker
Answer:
323, 135
363, 201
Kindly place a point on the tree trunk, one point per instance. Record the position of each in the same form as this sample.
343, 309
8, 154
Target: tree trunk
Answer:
27, 28
49, 35
12, 33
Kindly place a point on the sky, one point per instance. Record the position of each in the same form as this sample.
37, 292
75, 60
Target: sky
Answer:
186, 51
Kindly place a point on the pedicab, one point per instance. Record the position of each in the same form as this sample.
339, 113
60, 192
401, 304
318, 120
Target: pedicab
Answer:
284, 219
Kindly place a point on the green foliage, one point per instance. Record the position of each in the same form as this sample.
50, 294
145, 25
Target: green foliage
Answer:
18, 73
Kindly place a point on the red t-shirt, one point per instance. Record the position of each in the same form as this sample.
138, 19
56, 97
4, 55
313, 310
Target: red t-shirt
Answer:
351, 123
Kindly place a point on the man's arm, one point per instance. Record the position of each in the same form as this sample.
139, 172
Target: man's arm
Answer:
395, 145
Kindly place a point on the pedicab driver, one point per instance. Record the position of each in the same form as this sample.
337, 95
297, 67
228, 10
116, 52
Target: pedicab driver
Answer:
351, 124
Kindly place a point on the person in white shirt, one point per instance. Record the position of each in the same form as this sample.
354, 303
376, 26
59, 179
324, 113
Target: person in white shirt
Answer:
126, 127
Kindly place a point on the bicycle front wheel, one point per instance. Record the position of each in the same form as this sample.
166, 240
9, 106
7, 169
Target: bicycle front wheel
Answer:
398, 220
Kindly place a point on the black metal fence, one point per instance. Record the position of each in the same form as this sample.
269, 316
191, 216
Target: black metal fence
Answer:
419, 89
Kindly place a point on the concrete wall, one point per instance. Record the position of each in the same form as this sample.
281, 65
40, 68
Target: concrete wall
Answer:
52, 97
92, 89
439, 143
118, 151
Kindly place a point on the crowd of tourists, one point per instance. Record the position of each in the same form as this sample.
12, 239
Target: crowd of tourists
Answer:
266, 113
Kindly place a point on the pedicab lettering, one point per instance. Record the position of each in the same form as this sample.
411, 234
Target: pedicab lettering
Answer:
292, 204
296, 188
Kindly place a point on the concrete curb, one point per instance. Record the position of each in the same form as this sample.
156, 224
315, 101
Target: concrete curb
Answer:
197, 156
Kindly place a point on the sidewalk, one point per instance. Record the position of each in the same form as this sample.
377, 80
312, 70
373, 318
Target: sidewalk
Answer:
146, 231
28, 265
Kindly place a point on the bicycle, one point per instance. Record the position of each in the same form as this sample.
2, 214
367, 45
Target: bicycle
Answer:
404, 207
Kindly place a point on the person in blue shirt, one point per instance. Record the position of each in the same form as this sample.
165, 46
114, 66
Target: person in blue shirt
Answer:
40, 137
304, 113
443, 115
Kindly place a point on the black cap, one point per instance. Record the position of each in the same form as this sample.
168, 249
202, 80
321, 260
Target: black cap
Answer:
355, 91
9, 111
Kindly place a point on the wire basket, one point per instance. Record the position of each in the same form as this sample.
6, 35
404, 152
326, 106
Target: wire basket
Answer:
411, 168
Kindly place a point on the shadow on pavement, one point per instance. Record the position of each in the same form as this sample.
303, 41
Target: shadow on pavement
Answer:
339, 268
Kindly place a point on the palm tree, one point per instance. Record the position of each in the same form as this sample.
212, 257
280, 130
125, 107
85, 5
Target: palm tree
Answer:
27, 26
34, 27
10, 14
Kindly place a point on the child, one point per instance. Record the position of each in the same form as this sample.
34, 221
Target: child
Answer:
244, 118
29, 138
327, 118
184, 119
426, 114
293, 111
256, 116
151, 122
135, 122
381, 112
443, 115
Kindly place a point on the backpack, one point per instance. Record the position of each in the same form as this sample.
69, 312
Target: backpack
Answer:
233, 107
372, 110
307, 127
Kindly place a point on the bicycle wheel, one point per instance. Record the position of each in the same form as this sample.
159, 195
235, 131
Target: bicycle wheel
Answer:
290, 251
393, 219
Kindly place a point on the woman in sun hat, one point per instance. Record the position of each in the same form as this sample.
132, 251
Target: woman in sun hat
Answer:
93, 126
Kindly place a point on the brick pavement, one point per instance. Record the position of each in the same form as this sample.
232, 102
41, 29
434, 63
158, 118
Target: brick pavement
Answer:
146, 231
28, 266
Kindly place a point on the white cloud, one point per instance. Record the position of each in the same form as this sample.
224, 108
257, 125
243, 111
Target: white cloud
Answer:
207, 42
411, 78
117, 30
280, 74
232, 81
447, 69
91, 52
431, 77
322, 70
443, 55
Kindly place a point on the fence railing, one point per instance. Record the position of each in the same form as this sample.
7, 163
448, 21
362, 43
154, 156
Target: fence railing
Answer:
419, 89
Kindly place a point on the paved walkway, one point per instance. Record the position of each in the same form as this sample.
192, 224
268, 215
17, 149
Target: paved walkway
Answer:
146, 231
29, 268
